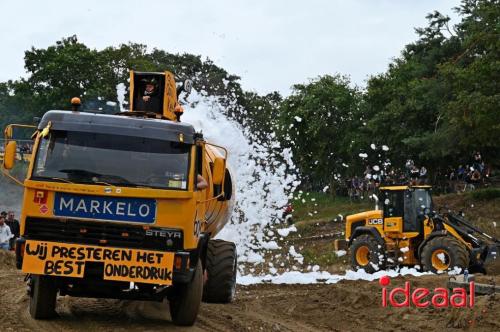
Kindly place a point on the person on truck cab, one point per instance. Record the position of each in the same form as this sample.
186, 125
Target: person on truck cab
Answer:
149, 100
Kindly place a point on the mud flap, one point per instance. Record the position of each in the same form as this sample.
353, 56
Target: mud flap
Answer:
20, 252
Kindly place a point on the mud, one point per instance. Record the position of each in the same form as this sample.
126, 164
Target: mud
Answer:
346, 306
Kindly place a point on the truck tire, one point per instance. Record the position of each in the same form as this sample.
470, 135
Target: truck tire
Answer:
43, 297
221, 265
186, 302
444, 253
368, 254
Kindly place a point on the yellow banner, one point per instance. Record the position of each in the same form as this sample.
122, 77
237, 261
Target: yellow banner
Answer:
121, 264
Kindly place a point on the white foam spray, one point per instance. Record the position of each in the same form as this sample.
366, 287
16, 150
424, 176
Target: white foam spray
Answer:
262, 183
121, 90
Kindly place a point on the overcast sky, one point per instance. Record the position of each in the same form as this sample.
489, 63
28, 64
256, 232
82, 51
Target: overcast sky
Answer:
269, 44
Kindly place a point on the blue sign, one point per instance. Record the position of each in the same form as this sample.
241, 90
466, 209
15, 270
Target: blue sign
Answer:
105, 208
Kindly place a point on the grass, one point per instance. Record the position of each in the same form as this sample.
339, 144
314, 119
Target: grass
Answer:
321, 207
322, 255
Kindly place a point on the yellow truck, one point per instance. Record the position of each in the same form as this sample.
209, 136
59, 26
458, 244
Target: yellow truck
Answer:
125, 206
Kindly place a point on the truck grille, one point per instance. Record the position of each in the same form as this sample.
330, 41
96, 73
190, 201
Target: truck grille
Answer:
103, 234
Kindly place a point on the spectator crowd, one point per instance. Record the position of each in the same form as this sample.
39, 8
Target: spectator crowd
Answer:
464, 177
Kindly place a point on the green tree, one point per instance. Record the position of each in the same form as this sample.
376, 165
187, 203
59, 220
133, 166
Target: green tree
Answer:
471, 116
69, 68
439, 101
317, 122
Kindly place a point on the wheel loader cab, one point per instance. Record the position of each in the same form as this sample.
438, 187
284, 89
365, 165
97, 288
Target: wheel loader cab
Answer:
408, 204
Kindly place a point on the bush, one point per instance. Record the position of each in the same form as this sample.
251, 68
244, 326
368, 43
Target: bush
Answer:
486, 194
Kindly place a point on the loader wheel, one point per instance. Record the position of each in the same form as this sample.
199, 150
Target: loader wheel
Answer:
186, 302
220, 286
367, 253
444, 253
43, 296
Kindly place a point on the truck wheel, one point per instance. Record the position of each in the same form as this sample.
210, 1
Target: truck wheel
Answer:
444, 253
367, 253
186, 302
220, 286
42, 297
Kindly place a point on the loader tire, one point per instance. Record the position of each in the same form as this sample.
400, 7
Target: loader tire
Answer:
221, 264
184, 305
444, 253
43, 297
367, 253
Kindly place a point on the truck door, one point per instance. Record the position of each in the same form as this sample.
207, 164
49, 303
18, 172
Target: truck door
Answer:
410, 223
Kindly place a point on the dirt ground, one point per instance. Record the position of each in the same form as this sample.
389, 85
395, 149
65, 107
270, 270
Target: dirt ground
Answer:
346, 306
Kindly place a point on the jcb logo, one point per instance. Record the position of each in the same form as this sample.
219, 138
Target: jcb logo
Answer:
378, 221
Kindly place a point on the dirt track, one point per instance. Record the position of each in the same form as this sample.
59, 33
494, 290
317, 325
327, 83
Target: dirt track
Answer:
346, 306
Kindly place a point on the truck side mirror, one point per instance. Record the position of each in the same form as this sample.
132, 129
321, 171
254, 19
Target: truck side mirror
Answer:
218, 171
9, 157
8, 132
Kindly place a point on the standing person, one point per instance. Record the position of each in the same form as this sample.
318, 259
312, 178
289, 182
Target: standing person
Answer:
423, 175
368, 172
461, 172
5, 234
477, 161
14, 227
409, 165
414, 175
355, 187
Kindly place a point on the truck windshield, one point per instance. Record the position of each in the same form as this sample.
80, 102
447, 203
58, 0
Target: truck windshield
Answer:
82, 157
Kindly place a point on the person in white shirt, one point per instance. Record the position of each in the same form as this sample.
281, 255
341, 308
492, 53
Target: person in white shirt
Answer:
5, 234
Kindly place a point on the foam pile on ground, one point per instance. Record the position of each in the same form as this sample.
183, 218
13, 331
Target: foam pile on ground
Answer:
296, 277
285, 231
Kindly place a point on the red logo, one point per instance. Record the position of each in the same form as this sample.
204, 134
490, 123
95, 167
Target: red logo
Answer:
44, 209
423, 297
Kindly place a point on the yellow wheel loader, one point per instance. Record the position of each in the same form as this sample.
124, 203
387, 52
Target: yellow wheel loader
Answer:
126, 206
405, 231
